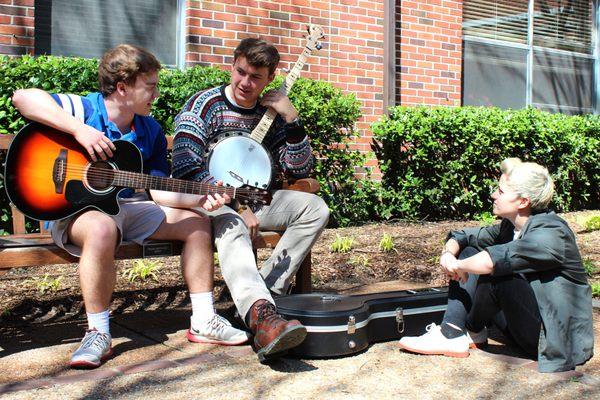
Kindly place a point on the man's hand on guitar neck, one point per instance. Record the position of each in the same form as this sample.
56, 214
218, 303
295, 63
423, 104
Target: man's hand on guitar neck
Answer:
279, 101
213, 202
251, 222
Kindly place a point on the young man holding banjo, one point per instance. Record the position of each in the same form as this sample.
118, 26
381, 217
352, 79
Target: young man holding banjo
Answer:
128, 78
211, 143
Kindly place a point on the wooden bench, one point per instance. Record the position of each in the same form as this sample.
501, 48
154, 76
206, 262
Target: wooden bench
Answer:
22, 249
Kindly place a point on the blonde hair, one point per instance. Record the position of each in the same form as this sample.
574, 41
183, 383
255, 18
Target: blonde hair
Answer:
529, 180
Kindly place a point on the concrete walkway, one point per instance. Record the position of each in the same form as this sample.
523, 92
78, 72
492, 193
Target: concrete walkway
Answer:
153, 360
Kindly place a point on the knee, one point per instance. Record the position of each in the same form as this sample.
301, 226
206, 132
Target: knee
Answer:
229, 226
191, 227
102, 236
467, 252
320, 210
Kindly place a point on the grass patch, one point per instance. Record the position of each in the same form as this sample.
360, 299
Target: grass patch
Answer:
143, 270
342, 244
596, 289
46, 283
386, 244
359, 261
589, 266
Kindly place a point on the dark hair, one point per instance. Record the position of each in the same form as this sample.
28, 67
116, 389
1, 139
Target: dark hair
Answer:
124, 63
259, 53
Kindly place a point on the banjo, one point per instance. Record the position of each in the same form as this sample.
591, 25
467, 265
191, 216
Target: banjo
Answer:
240, 160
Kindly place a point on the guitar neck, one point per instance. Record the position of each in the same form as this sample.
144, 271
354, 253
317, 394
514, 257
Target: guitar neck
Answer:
266, 121
141, 181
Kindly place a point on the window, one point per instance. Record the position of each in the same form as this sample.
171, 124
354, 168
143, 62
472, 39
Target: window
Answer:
530, 52
87, 28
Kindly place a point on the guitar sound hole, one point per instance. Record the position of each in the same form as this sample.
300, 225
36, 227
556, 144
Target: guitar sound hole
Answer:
100, 176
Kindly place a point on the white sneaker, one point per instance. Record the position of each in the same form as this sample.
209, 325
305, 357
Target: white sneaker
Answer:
433, 342
478, 340
94, 349
217, 330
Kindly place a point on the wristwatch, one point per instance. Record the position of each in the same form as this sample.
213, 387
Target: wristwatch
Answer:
295, 123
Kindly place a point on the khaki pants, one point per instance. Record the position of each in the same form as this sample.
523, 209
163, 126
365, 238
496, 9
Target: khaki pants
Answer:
302, 216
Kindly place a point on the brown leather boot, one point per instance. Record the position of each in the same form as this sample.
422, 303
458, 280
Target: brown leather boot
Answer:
273, 335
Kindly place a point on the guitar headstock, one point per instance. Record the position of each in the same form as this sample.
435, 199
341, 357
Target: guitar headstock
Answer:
315, 33
250, 195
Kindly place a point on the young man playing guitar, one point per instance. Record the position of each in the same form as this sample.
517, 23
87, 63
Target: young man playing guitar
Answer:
128, 78
236, 108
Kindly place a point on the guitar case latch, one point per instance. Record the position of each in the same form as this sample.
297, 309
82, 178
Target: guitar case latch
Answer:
400, 319
351, 325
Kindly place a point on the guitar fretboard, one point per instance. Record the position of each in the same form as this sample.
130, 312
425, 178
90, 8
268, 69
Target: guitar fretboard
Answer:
260, 131
141, 181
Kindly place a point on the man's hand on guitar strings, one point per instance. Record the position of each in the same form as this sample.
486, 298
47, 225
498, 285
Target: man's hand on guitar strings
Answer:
94, 142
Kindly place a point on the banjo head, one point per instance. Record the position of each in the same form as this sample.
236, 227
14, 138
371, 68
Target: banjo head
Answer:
240, 160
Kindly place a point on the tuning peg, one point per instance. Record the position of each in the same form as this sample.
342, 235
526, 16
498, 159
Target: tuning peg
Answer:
318, 46
286, 70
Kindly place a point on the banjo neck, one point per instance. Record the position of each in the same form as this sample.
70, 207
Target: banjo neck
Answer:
261, 130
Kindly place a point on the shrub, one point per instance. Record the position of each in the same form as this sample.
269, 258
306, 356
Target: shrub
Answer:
486, 218
443, 162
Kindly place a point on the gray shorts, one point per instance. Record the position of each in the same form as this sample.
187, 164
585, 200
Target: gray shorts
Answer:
136, 221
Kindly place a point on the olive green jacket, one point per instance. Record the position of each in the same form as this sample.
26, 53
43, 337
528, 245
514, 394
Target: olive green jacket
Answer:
547, 254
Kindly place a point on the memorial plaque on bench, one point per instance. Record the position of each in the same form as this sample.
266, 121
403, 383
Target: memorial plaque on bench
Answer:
157, 249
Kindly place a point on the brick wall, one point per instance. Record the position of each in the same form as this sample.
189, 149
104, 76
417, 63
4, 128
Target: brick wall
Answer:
427, 35
352, 53
16, 27
428, 52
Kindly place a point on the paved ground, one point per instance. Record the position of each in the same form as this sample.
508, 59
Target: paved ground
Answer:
153, 360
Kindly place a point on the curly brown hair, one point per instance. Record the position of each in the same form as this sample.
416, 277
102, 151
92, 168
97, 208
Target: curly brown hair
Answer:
124, 63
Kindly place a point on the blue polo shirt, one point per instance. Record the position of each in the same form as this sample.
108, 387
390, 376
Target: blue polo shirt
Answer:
146, 134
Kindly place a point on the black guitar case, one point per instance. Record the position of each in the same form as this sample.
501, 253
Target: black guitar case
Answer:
340, 325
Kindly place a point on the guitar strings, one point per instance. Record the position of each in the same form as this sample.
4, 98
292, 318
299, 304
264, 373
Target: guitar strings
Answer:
191, 186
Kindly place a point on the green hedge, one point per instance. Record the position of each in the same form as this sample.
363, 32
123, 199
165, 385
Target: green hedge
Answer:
440, 163
328, 114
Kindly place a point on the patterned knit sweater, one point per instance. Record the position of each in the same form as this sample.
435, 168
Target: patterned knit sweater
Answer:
209, 113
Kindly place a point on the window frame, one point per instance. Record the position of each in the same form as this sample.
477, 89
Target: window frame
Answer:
180, 36
531, 49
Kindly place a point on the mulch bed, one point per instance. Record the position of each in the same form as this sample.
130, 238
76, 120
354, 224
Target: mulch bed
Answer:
413, 259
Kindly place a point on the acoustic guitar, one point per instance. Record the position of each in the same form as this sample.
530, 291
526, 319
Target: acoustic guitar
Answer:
49, 176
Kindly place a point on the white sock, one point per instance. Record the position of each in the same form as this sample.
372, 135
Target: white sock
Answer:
100, 321
202, 307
